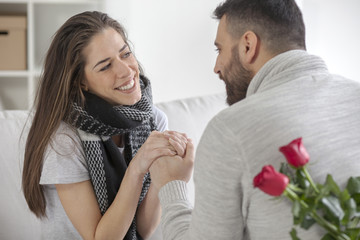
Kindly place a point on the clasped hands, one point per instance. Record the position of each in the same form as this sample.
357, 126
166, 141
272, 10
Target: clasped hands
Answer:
168, 156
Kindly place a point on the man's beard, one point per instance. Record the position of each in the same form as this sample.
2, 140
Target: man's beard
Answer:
236, 78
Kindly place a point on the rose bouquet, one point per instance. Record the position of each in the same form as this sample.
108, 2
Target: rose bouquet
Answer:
335, 210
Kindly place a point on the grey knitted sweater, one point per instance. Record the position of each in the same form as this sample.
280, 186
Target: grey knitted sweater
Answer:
293, 95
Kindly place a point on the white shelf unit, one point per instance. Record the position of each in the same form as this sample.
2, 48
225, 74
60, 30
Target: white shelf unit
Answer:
44, 17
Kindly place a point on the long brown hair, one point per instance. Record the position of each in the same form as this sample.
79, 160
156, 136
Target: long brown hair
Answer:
59, 89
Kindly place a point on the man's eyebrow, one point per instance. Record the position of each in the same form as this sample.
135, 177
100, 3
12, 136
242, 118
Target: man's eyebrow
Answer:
106, 59
216, 44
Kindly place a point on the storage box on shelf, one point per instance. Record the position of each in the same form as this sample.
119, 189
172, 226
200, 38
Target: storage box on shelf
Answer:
43, 17
12, 42
14, 80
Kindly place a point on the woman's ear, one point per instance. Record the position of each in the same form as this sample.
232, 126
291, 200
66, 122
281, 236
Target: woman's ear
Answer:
84, 87
250, 42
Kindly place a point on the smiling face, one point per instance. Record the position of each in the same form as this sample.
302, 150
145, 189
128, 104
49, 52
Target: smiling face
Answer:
111, 70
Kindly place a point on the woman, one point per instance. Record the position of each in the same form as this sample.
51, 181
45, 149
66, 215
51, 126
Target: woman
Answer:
93, 137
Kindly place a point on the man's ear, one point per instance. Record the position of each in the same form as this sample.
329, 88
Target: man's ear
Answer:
250, 47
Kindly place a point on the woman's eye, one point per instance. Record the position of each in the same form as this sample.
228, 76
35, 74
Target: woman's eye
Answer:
127, 54
106, 67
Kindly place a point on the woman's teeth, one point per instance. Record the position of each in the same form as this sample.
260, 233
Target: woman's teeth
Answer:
128, 86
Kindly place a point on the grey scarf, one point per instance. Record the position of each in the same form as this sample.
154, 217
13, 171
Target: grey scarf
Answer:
96, 123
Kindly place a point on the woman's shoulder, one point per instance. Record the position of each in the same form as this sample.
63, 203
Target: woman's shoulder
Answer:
65, 136
64, 159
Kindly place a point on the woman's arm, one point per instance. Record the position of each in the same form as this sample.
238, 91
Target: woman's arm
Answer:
149, 213
80, 204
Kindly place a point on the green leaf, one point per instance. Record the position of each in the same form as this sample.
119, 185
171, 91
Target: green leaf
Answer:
332, 186
344, 196
353, 185
289, 171
354, 223
285, 169
350, 211
328, 237
294, 235
307, 221
353, 233
333, 208
296, 208
302, 216
302, 181
356, 197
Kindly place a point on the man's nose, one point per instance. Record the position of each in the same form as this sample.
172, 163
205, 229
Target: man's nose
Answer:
217, 67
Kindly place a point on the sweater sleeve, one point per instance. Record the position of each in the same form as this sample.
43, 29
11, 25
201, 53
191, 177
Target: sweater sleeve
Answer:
218, 211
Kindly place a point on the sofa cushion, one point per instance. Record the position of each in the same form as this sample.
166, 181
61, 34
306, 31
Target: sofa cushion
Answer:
191, 115
17, 222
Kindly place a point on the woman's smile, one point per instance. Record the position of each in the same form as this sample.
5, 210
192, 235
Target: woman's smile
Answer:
127, 87
112, 71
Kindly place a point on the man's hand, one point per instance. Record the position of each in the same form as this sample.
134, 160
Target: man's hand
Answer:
170, 168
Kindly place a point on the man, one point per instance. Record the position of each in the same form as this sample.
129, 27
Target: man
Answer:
277, 92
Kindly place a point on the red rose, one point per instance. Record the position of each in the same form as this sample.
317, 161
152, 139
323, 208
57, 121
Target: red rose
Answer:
271, 181
295, 153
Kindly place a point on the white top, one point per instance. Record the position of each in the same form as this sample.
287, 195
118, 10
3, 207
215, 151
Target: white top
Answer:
293, 95
64, 163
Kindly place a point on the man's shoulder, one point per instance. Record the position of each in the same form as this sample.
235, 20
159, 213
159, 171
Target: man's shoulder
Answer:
241, 109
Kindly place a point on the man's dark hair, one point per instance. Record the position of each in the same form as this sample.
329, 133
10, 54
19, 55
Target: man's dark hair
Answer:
278, 23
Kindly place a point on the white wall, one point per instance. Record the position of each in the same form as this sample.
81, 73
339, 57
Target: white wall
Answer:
333, 32
173, 40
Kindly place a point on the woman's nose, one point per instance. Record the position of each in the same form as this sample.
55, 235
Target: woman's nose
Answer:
122, 68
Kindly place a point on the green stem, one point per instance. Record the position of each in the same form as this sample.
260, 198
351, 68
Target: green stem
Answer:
331, 228
328, 226
308, 177
295, 188
289, 192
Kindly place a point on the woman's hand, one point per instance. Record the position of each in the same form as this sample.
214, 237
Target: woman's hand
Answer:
170, 168
169, 143
178, 141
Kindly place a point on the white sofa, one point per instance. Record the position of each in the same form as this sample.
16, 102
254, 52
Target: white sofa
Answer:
16, 221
